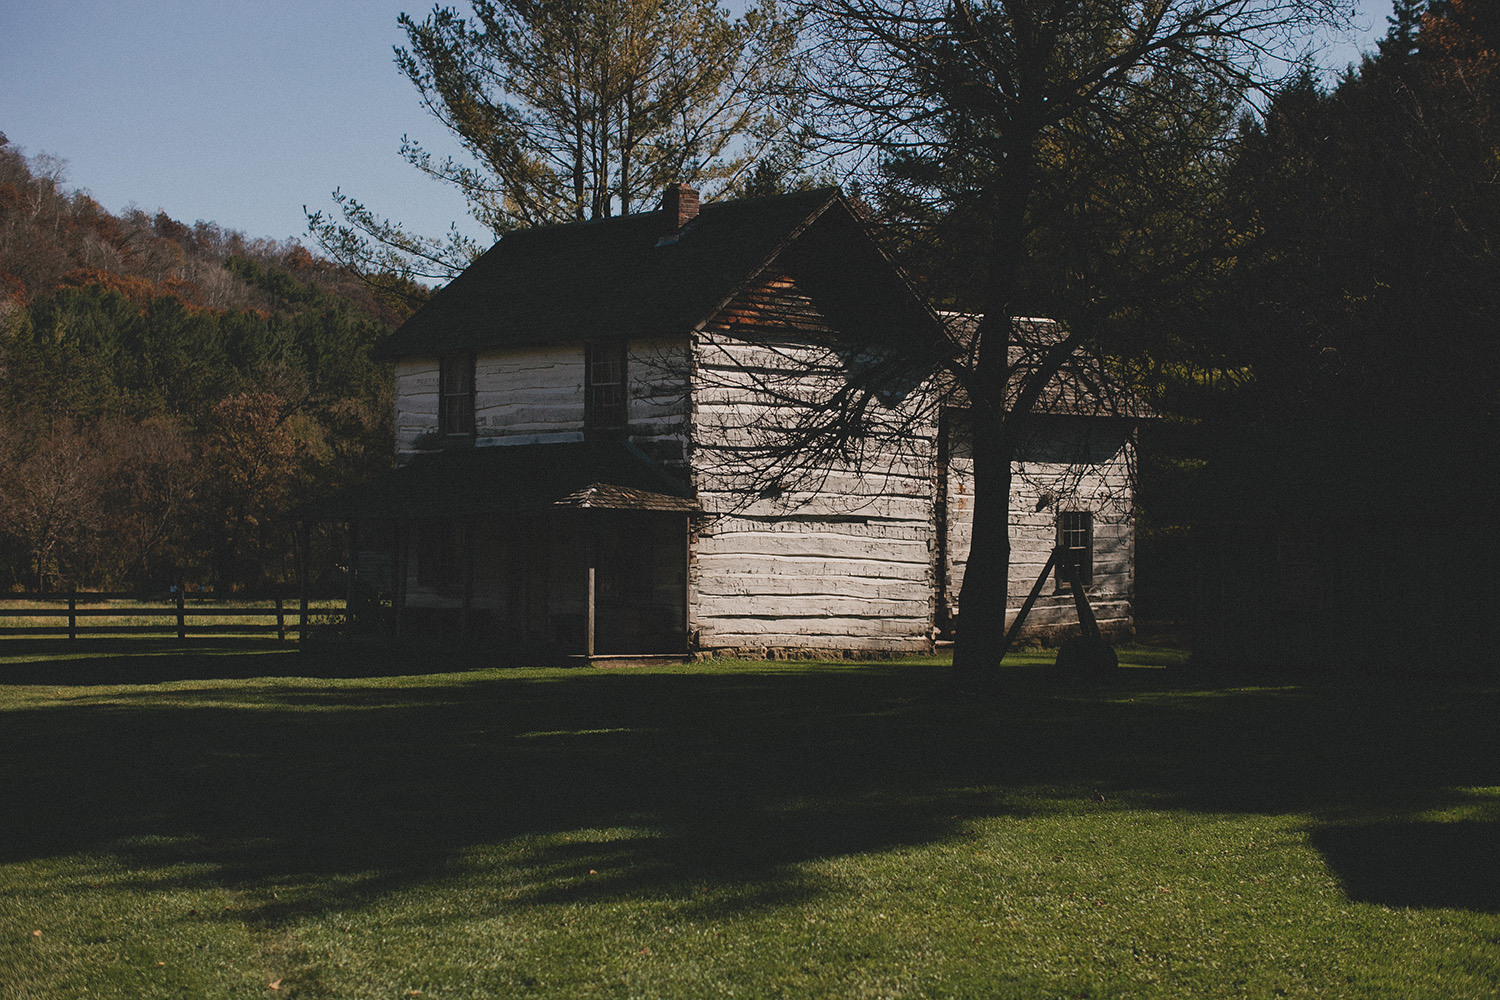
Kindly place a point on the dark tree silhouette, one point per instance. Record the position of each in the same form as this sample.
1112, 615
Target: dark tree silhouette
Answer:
1065, 151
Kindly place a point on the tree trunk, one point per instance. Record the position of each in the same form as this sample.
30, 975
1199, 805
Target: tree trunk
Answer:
986, 587
985, 592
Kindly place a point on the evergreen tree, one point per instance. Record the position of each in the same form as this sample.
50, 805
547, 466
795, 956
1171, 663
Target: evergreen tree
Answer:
1404, 23
121, 338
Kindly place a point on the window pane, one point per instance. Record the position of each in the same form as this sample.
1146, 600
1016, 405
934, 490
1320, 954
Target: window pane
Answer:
1075, 536
605, 390
456, 394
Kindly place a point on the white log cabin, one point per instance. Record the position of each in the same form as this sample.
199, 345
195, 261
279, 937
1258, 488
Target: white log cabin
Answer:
583, 424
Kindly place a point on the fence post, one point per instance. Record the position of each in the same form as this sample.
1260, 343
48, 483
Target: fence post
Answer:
351, 536
280, 621
73, 613
304, 542
181, 614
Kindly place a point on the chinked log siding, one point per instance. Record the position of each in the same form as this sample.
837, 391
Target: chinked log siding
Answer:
535, 395
844, 561
1073, 464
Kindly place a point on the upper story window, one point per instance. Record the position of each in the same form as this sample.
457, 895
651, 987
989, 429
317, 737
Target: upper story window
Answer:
1075, 536
456, 395
604, 395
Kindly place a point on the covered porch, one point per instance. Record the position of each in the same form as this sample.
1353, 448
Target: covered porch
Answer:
551, 551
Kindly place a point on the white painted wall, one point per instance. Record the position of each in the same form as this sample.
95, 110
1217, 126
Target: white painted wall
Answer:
416, 403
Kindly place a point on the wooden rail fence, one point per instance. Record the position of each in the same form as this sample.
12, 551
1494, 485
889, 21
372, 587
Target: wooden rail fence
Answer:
176, 616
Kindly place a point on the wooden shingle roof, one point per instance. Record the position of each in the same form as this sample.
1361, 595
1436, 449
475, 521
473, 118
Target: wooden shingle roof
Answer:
630, 277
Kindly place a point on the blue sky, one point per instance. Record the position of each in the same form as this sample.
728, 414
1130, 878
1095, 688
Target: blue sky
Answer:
242, 112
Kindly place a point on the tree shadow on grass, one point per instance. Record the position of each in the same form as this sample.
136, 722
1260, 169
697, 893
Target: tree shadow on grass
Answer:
312, 797
1417, 863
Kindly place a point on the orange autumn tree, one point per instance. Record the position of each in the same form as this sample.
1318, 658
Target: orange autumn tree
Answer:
1465, 35
251, 456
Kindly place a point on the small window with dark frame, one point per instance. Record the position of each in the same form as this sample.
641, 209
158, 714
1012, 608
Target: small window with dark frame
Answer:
604, 388
1075, 537
456, 395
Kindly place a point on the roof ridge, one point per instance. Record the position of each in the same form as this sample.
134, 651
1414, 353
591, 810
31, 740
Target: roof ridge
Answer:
599, 278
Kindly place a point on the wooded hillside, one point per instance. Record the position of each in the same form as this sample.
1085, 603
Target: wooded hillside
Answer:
167, 390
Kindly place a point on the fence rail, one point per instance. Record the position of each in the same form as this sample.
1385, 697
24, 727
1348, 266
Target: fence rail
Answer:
176, 618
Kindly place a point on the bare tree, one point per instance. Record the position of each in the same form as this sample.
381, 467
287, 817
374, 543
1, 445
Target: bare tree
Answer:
1064, 153
153, 476
49, 493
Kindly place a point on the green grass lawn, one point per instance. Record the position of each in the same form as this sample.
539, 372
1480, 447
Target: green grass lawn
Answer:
737, 830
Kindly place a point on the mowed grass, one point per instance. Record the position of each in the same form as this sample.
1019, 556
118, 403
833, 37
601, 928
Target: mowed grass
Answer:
738, 830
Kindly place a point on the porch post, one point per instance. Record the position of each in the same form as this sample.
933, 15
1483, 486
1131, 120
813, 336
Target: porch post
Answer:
466, 539
593, 553
398, 595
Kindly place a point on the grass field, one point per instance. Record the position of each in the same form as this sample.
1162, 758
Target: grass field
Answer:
737, 830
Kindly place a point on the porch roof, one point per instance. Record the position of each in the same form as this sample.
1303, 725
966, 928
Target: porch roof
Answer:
511, 480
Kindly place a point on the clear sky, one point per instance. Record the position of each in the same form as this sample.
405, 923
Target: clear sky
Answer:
242, 111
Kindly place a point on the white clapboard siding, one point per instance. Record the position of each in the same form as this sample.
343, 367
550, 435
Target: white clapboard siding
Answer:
785, 606
802, 523
723, 548
842, 559
1061, 611
858, 634
657, 373
809, 572
804, 508
783, 584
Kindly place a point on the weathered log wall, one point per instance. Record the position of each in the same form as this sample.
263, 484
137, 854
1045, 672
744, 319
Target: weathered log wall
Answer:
1077, 463
416, 404
837, 556
535, 395
863, 554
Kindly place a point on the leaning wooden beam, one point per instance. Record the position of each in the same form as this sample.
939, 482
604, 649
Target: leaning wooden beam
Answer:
1036, 591
1081, 602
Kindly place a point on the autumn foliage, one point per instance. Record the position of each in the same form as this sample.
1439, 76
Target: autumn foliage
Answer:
168, 391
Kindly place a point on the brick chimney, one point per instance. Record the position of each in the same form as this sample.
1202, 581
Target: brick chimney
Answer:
680, 203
